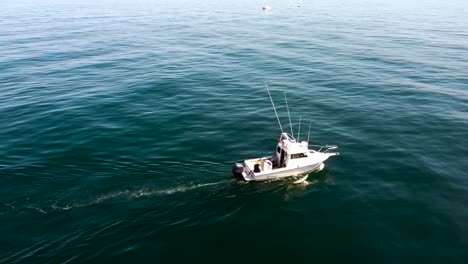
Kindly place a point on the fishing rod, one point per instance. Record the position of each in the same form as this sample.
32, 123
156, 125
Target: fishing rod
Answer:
273, 104
287, 107
299, 132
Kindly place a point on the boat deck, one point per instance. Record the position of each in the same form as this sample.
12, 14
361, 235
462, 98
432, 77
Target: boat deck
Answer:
264, 164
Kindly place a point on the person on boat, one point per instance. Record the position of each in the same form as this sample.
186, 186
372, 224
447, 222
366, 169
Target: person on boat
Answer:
257, 167
274, 160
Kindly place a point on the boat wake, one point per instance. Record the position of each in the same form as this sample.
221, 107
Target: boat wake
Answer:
57, 205
306, 183
301, 180
136, 194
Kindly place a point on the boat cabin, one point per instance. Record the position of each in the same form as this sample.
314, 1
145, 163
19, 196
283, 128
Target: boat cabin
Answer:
289, 152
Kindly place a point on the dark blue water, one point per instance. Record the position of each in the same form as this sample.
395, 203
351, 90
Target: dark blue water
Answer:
119, 121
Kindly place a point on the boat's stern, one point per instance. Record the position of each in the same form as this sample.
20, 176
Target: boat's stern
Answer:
238, 171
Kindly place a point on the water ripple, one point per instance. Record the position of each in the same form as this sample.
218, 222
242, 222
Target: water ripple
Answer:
120, 122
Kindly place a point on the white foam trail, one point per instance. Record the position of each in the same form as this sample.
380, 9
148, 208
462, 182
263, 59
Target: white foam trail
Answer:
186, 188
124, 194
37, 209
306, 183
11, 205
301, 180
130, 195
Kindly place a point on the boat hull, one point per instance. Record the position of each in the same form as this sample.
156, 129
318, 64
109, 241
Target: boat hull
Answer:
282, 173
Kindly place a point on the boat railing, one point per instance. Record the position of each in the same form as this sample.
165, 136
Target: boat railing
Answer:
248, 171
327, 149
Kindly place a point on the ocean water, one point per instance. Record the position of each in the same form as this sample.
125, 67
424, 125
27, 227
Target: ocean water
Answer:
119, 122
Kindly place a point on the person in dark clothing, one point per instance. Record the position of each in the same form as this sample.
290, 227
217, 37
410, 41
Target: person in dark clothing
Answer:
257, 168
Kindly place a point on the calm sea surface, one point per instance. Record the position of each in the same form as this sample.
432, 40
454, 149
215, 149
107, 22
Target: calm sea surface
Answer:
119, 122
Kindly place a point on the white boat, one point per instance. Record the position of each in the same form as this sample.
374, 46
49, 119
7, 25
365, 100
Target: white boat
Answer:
291, 158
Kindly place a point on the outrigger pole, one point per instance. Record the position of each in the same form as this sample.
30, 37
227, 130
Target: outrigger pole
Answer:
310, 123
299, 132
279, 123
287, 107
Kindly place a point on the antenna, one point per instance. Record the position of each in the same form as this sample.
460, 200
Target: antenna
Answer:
287, 107
310, 123
299, 132
279, 123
